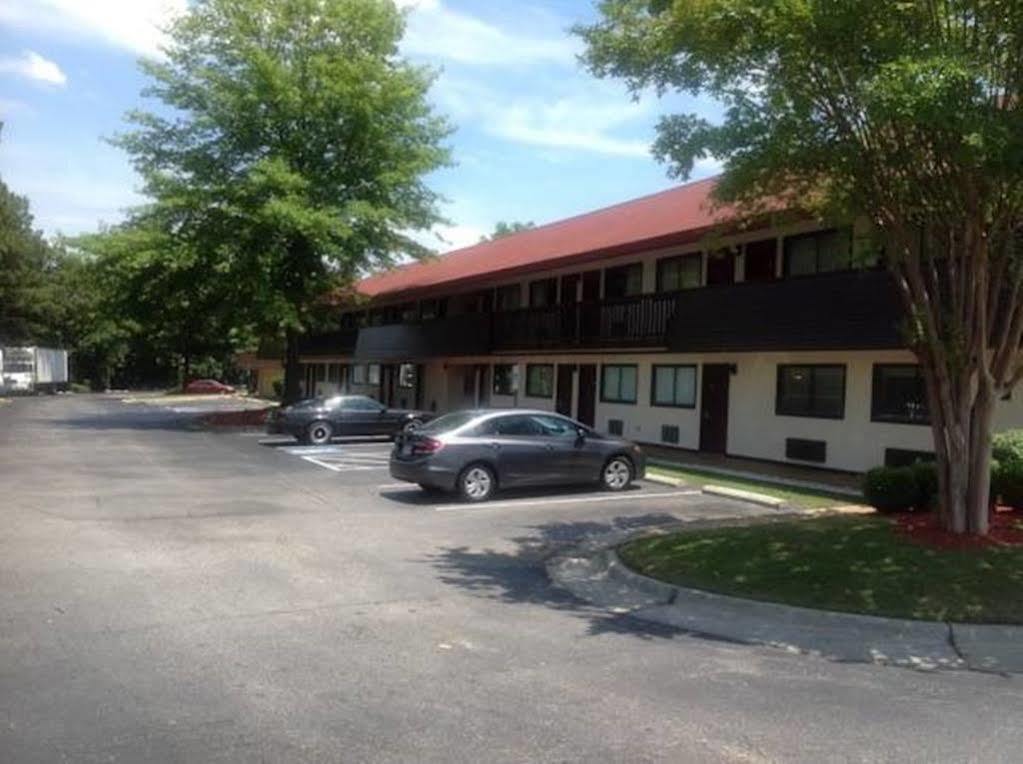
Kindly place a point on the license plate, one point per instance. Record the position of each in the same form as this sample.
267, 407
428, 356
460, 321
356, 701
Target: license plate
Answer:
406, 449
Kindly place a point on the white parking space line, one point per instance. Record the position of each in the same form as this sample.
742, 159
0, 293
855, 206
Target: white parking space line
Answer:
567, 500
338, 457
318, 463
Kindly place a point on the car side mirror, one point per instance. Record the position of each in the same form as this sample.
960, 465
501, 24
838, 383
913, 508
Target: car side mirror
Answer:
580, 435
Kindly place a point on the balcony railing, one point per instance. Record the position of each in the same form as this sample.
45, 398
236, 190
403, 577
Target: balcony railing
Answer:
453, 336
855, 310
639, 321
840, 311
340, 342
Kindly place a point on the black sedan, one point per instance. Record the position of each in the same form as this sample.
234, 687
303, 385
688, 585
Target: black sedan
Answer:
317, 420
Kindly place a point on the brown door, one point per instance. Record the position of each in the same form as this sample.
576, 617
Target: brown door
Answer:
569, 310
759, 260
589, 318
387, 380
483, 385
721, 268
586, 412
714, 408
563, 398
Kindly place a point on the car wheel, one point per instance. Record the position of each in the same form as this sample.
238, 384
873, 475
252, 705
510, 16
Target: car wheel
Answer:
617, 474
477, 483
319, 433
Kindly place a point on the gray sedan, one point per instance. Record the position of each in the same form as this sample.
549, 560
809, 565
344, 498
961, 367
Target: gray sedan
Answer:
475, 452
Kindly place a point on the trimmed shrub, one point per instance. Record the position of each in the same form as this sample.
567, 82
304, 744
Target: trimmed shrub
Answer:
892, 489
1007, 483
926, 474
1007, 447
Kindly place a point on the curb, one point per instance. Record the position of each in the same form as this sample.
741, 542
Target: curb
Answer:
597, 575
760, 499
763, 478
664, 480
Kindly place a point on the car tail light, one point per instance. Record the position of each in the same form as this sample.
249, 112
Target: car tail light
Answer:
427, 446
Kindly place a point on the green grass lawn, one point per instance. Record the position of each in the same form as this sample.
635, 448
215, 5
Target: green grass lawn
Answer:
800, 497
857, 564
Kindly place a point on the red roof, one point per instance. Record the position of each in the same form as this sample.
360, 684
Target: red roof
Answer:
669, 217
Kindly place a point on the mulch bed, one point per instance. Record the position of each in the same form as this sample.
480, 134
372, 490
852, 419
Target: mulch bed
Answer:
925, 529
247, 418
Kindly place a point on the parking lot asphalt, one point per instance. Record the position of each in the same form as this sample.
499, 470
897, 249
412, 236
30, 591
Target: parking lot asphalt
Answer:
169, 594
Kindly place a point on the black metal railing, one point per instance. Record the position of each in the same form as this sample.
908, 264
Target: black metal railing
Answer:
833, 311
340, 342
639, 321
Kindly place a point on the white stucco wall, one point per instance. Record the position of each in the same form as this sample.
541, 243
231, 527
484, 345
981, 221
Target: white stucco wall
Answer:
854, 443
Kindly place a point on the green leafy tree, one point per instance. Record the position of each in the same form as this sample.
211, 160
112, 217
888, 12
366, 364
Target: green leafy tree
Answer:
905, 114
503, 229
169, 297
24, 259
82, 317
291, 149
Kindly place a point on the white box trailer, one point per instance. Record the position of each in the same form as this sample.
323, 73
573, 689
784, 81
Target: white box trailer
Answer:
33, 370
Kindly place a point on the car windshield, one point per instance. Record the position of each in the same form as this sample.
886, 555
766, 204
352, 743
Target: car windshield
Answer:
448, 422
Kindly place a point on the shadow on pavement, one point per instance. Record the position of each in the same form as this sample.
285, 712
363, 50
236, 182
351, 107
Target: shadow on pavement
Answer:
279, 440
519, 577
415, 496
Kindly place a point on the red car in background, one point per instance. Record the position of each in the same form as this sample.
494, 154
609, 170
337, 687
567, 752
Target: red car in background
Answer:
208, 387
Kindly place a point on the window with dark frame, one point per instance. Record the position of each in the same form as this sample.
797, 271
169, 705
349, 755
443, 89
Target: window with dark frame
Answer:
816, 391
540, 380
543, 293
407, 375
504, 379
619, 383
673, 386
359, 374
373, 373
433, 308
818, 252
681, 272
623, 281
898, 394
508, 297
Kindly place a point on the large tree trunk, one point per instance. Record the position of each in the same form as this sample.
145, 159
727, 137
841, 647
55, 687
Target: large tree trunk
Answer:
962, 442
966, 323
292, 368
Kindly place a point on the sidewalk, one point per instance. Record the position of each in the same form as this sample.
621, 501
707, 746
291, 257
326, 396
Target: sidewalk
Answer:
794, 475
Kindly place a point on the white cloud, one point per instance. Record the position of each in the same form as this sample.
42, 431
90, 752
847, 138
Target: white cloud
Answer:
11, 106
445, 238
34, 67
133, 25
438, 32
576, 113
73, 186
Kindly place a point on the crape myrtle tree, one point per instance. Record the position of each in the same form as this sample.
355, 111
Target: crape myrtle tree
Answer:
291, 145
908, 114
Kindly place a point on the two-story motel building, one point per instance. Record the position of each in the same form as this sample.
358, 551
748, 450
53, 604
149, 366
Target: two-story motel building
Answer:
771, 346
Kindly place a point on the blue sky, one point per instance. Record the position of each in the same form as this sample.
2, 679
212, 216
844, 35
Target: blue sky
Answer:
537, 137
